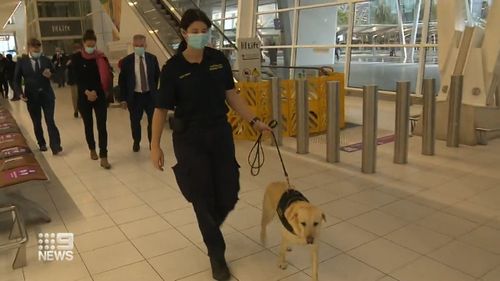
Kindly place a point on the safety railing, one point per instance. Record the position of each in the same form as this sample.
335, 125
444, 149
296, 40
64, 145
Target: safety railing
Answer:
285, 72
315, 105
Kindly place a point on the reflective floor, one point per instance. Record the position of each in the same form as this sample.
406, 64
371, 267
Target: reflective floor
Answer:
434, 219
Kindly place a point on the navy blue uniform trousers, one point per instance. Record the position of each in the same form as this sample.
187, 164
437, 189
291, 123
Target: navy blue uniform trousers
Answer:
208, 176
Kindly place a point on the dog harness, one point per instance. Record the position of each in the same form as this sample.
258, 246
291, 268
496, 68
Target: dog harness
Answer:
288, 198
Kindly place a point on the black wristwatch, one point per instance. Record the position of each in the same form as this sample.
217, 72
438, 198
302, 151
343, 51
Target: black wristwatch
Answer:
254, 120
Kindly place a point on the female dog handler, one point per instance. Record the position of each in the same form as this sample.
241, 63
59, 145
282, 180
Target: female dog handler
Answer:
197, 82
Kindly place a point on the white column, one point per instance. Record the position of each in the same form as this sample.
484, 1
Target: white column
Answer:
246, 18
401, 28
102, 25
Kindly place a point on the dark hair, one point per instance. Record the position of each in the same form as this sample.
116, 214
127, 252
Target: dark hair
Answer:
190, 16
33, 42
89, 35
9, 56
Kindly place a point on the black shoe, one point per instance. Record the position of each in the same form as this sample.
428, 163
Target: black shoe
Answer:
75, 114
136, 147
57, 151
43, 148
220, 271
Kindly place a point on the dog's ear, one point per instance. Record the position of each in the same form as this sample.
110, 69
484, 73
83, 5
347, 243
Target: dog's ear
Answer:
291, 214
323, 217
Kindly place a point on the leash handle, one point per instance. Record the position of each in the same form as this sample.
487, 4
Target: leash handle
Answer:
257, 163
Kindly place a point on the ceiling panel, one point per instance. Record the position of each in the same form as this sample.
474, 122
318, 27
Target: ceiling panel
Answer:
6, 9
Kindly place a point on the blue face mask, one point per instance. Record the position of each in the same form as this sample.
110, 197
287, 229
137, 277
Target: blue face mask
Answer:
89, 50
35, 55
197, 40
139, 51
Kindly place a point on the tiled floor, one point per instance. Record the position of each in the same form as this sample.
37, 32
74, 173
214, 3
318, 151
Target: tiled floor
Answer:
434, 219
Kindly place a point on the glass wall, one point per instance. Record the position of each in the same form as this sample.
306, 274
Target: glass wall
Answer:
383, 45
7, 44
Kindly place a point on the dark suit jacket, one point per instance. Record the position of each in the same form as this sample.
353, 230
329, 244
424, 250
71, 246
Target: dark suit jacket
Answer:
127, 78
35, 84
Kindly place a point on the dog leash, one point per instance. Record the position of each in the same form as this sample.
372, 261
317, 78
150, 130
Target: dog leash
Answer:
257, 161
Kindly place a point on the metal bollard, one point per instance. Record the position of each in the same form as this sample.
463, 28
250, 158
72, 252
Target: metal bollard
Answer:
370, 105
429, 117
402, 120
302, 116
276, 103
455, 106
333, 128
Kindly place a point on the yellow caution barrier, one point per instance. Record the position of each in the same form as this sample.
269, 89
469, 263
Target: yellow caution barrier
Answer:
258, 96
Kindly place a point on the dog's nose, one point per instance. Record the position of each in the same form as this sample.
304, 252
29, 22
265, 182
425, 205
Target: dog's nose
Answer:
310, 240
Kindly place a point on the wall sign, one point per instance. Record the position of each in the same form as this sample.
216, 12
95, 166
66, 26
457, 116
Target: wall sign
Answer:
61, 28
249, 59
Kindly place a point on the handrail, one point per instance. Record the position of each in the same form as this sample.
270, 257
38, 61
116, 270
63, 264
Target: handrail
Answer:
166, 49
321, 69
176, 13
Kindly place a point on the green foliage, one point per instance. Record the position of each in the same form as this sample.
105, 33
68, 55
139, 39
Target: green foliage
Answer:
382, 14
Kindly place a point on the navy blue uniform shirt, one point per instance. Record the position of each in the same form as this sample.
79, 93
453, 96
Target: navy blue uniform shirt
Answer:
196, 91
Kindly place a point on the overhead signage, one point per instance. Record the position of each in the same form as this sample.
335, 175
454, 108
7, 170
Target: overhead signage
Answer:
61, 28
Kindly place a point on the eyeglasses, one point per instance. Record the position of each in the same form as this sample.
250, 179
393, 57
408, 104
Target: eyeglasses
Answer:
36, 45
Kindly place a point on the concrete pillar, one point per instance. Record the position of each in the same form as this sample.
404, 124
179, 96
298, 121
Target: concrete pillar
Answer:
102, 24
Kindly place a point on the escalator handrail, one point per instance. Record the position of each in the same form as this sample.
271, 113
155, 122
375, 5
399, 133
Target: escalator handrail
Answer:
167, 51
174, 11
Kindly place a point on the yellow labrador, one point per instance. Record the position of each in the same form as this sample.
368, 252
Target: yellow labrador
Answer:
300, 219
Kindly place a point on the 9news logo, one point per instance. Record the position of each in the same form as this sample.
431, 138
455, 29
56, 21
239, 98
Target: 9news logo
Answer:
55, 246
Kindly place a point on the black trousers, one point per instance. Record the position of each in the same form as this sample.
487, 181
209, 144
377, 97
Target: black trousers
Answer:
60, 77
4, 88
35, 108
142, 102
100, 108
16, 93
208, 176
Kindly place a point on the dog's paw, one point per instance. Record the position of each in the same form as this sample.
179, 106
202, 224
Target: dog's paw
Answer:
283, 265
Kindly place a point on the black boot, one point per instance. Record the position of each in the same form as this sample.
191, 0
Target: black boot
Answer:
220, 271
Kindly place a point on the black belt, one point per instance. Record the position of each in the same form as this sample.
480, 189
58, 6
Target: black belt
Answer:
143, 93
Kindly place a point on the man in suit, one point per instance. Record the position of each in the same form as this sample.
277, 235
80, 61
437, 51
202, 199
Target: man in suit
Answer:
59, 60
36, 71
9, 72
138, 82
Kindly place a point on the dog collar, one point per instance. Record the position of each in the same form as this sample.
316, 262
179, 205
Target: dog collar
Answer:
288, 198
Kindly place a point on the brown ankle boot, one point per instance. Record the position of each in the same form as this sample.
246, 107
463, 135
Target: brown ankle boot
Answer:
104, 163
93, 155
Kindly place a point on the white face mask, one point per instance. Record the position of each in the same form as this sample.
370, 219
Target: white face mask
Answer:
36, 55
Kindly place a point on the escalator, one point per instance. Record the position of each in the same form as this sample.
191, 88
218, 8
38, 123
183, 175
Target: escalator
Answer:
162, 19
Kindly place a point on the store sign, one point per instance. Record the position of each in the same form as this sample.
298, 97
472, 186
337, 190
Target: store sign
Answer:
61, 28
249, 59
4, 37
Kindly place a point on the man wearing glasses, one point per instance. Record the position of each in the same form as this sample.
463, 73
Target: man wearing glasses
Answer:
36, 71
